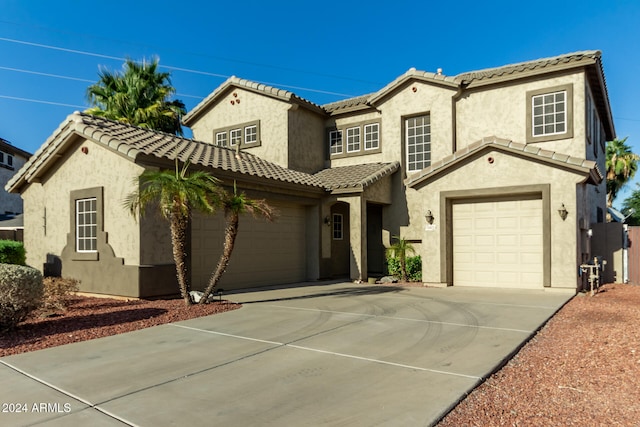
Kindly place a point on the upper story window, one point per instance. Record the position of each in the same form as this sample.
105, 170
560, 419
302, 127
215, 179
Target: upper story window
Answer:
335, 142
595, 133
372, 136
550, 114
221, 139
418, 142
6, 160
354, 139
245, 135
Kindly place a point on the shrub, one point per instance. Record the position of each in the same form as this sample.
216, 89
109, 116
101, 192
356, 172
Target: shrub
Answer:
58, 291
414, 267
20, 293
12, 252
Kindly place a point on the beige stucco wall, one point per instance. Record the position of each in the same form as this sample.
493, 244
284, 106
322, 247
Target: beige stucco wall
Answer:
10, 202
75, 171
507, 170
305, 140
272, 113
501, 110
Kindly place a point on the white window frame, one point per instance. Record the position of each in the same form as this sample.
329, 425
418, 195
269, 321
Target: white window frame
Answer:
418, 142
251, 134
372, 136
86, 225
353, 139
221, 139
337, 226
235, 137
335, 142
549, 116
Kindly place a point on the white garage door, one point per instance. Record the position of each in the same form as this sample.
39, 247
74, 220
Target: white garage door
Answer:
265, 253
498, 244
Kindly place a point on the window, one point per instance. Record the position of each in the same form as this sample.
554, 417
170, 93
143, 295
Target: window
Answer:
359, 138
550, 114
372, 136
86, 225
235, 137
353, 140
6, 159
418, 141
244, 135
335, 142
337, 226
251, 134
221, 139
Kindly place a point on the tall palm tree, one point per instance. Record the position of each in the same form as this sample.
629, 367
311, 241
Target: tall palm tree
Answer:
621, 166
234, 205
138, 96
176, 194
401, 249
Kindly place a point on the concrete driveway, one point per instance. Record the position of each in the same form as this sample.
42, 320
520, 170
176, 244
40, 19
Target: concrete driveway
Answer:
334, 354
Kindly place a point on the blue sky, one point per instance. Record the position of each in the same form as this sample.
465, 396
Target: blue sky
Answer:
323, 51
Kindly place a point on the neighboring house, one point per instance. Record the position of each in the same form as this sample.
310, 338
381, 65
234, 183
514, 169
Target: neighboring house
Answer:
494, 176
11, 160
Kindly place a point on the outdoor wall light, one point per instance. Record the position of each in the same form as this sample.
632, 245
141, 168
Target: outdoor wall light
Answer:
429, 217
563, 212
327, 221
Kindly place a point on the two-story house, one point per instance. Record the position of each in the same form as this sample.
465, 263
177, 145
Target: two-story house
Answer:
495, 176
11, 159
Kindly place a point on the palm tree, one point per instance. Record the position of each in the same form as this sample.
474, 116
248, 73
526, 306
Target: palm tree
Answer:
621, 166
234, 205
176, 194
400, 249
138, 96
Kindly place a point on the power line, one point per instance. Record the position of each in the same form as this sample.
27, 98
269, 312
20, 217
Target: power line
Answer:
186, 70
39, 101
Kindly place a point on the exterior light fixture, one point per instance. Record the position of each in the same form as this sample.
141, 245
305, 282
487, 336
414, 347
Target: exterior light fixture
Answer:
563, 212
327, 221
429, 217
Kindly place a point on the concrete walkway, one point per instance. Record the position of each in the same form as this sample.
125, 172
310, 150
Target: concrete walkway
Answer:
330, 355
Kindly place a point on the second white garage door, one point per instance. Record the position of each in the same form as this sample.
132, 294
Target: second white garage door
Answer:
498, 244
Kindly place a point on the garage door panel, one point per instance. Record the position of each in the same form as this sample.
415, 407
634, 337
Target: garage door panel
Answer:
506, 238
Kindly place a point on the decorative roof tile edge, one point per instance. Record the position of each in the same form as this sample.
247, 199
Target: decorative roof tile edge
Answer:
586, 166
234, 81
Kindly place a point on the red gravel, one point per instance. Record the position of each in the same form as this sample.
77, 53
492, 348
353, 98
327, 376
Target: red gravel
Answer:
88, 318
581, 369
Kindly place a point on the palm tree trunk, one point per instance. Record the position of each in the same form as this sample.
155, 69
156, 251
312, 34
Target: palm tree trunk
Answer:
178, 243
230, 234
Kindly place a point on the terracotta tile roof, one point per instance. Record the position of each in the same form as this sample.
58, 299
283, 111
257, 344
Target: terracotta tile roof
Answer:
535, 65
588, 167
356, 177
133, 141
234, 81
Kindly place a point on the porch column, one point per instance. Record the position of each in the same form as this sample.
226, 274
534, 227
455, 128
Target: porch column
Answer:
357, 236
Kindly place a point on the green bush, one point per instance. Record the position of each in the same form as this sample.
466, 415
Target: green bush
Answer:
20, 293
58, 291
12, 252
414, 268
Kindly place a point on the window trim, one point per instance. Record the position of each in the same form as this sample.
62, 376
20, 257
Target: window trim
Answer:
405, 137
240, 133
568, 133
361, 150
75, 195
377, 132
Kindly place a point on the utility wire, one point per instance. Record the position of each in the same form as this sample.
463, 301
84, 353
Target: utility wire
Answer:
186, 70
39, 101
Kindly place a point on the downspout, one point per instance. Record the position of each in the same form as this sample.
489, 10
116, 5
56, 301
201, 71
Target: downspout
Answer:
454, 117
625, 253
